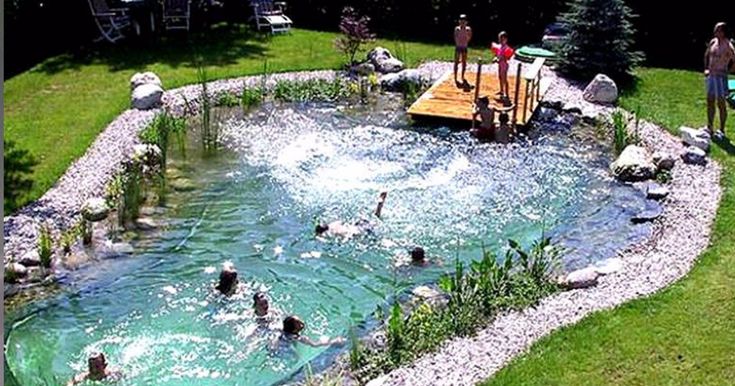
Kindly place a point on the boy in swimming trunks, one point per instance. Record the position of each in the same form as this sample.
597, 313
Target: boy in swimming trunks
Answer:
719, 56
462, 37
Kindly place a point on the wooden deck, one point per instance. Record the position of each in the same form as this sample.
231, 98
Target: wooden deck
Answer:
445, 100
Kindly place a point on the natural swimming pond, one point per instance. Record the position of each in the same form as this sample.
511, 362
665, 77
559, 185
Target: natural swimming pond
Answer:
156, 317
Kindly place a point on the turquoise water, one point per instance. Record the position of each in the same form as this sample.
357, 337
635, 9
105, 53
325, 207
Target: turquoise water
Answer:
155, 316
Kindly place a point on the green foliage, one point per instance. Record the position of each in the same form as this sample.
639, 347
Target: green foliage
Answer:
85, 229
209, 132
251, 96
355, 33
601, 40
18, 164
160, 131
45, 245
226, 99
313, 90
68, 238
475, 295
10, 275
622, 137
663, 176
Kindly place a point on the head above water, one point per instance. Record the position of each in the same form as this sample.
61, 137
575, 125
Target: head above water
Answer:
293, 325
97, 366
483, 100
227, 280
321, 228
503, 118
503, 37
720, 30
418, 255
260, 303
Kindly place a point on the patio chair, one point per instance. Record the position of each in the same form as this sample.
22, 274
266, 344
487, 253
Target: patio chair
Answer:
176, 14
269, 15
111, 21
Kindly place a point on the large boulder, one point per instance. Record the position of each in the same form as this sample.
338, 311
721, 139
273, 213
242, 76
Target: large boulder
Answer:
402, 80
582, 278
30, 259
383, 61
694, 156
95, 209
365, 69
602, 89
695, 137
663, 160
633, 164
147, 96
141, 78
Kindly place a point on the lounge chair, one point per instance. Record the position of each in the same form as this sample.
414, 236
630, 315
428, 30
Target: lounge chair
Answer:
176, 14
269, 15
111, 21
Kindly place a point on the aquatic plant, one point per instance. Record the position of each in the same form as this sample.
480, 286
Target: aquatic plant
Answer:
251, 96
209, 131
68, 238
313, 90
226, 99
159, 132
45, 245
475, 295
622, 136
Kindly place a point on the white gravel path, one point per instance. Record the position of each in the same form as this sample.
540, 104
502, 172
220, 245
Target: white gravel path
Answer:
681, 234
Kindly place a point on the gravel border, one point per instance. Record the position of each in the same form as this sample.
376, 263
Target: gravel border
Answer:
680, 235
88, 176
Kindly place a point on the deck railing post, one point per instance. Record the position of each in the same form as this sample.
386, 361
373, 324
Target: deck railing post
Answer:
477, 79
518, 90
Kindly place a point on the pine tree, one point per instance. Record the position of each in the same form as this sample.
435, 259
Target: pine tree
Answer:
600, 40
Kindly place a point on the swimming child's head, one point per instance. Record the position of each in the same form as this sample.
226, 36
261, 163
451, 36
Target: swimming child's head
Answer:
227, 280
503, 118
721, 30
483, 100
260, 303
418, 255
321, 228
503, 37
97, 365
293, 325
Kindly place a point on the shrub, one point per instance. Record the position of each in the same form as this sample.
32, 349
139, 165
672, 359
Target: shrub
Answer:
355, 33
600, 40
45, 245
226, 99
251, 96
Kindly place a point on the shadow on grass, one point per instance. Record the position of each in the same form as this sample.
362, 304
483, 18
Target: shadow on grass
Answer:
18, 165
219, 45
725, 144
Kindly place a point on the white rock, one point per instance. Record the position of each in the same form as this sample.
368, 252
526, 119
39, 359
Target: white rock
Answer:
610, 266
122, 248
695, 137
426, 292
19, 269
95, 209
379, 381
656, 192
633, 164
142, 78
146, 223
694, 156
663, 160
147, 96
30, 259
365, 68
582, 278
602, 89
384, 61
399, 81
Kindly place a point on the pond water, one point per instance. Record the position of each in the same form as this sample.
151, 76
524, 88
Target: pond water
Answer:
154, 313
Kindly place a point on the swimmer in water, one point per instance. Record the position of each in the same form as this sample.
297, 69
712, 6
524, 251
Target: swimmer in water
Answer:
292, 327
97, 371
227, 280
418, 257
264, 314
347, 231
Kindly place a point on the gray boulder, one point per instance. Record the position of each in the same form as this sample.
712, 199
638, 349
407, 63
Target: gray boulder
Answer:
384, 61
19, 270
146, 223
633, 164
609, 266
142, 78
402, 80
694, 156
582, 278
663, 160
602, 89
147, 96
695, 137
95, 209
365, 68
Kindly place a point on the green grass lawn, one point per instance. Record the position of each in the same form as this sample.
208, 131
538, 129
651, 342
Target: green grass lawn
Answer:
56, 109
683, 335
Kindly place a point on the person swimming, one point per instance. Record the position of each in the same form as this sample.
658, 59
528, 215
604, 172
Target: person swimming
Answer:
418, 256
292, 327
264, 314
347, 231
97, 370
228, 281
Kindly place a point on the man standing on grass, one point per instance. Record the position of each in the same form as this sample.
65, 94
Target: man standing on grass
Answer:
719, 56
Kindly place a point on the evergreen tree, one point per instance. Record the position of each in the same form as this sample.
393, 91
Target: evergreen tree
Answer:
600, 40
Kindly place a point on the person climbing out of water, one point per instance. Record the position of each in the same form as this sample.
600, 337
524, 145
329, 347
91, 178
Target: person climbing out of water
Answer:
97, 370
228, 281
487, 119
347, 231
504, 131
292, 327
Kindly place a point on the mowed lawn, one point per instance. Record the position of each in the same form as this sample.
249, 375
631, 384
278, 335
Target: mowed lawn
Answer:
683, 335
56, 109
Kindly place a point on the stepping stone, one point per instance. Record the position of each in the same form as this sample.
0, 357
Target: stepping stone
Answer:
656, 192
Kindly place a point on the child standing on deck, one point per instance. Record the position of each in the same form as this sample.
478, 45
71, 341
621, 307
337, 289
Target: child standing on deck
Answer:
503, 52
462, 37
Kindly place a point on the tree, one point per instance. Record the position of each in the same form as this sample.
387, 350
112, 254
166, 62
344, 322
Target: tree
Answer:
600, 40
355, 33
